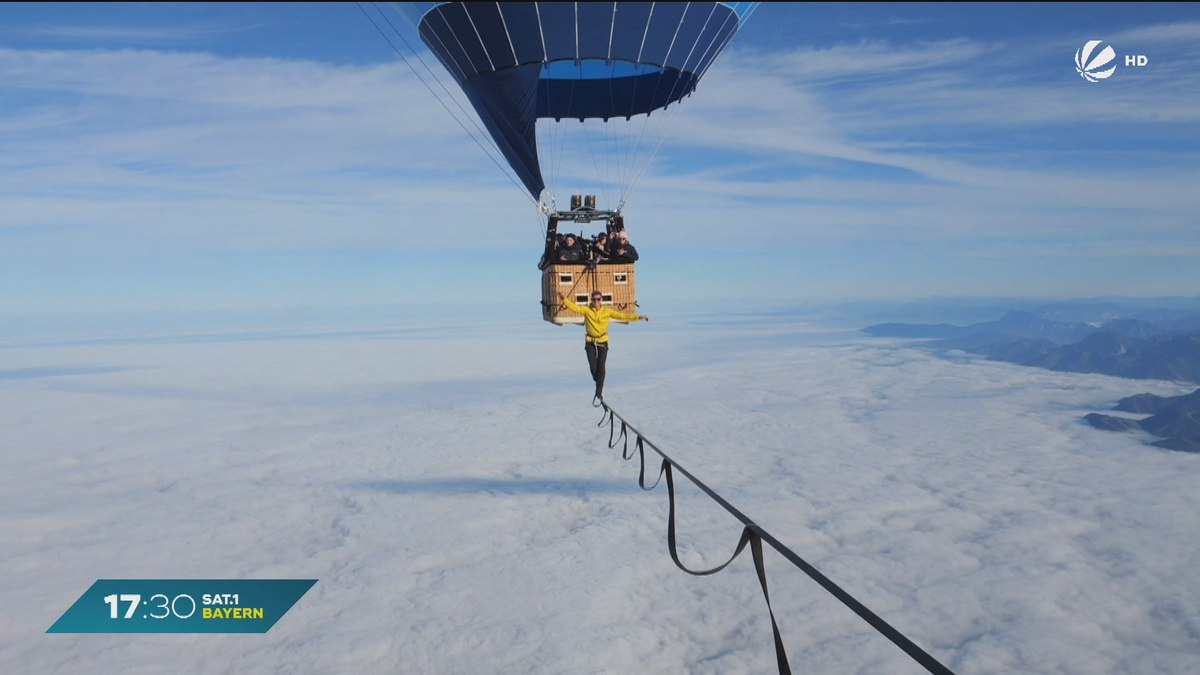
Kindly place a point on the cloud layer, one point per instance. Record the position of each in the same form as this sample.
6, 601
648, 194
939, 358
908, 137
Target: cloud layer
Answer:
453, 496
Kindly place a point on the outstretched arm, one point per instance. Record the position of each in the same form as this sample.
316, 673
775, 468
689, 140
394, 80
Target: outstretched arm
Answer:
570, 305
621, 316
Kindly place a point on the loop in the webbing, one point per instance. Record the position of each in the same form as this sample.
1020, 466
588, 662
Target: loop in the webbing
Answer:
637, 445
746, 534
750, 536
756, 550
606, 417
623, 435
642, 471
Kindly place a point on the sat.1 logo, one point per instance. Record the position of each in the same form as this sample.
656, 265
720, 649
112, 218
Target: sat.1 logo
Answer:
1090, 64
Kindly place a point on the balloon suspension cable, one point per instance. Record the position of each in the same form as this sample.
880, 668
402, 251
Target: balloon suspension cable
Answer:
675, 119
600, 180
435, 94
635, 168
650, 156
558, 145
433, 75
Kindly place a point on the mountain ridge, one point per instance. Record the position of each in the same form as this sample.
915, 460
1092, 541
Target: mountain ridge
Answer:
1176, 419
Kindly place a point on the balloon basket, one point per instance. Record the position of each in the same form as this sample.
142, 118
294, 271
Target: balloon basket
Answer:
578, 281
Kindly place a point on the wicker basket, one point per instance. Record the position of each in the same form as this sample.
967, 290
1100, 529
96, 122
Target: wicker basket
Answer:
577, 281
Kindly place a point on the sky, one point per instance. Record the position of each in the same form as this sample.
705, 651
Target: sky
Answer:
462, 512
249, 156
237, 243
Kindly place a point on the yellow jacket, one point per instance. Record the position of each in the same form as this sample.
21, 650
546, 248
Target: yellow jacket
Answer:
596, 320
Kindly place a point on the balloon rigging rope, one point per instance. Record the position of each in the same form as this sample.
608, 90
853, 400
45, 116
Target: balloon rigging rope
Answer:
482, 147
645, 124
599, 178
561, 139
662, 138
433, 75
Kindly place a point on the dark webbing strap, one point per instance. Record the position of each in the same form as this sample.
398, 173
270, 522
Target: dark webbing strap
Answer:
755, 536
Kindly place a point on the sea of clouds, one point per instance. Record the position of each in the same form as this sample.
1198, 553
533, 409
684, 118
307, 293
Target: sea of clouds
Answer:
443, 477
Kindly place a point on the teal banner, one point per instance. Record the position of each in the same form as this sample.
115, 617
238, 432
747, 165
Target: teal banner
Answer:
182, 606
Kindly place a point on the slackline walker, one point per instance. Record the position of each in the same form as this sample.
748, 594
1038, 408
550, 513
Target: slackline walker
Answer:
595, 341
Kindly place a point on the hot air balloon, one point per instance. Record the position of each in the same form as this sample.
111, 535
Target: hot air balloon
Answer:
599, 63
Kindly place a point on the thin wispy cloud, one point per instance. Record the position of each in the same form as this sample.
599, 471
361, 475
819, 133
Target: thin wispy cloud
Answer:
145, 35
953, 142
893, 21
870, 58
1187, 32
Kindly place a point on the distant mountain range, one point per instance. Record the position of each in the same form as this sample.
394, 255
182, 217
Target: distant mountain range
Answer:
1093, 337
1175, 419
1132, 345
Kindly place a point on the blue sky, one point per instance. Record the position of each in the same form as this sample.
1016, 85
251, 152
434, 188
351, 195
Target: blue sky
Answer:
211, 156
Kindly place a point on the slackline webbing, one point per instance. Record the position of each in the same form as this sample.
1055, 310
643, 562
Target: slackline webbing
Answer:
753, 535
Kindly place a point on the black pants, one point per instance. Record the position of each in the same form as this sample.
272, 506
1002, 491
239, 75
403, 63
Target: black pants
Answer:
597, 354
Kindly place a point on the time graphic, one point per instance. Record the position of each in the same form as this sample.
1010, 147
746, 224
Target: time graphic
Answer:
182, 605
